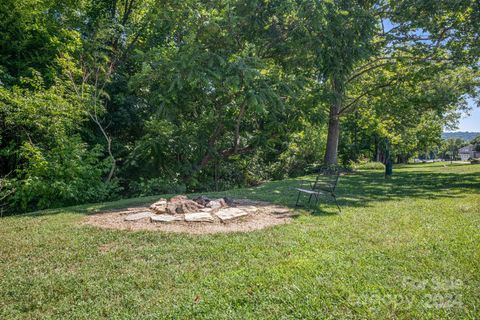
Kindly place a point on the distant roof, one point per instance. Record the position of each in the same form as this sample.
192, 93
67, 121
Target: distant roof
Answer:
466, 149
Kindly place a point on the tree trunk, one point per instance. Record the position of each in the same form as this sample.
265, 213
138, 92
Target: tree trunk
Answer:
236, 142
331, 151
355, 139
333, 136
378, 151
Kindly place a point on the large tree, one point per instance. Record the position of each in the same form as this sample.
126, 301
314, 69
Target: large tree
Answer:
350, 39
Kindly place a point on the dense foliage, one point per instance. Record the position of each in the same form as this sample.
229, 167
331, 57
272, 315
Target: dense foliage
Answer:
101, 99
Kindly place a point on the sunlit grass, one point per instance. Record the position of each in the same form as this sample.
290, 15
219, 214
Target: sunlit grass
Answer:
407, 247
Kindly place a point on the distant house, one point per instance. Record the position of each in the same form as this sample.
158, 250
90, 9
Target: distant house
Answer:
468, 152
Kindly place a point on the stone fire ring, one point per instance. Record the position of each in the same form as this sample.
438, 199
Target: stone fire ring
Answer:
239, 215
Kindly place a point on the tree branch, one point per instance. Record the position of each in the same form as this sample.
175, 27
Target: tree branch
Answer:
236, 141
342, 110
211, 143
97, 121
360, 73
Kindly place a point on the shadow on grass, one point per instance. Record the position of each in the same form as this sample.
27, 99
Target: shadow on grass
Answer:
355, 190
361, 189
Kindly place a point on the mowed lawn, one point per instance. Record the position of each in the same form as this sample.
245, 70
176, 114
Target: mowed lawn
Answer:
404, 248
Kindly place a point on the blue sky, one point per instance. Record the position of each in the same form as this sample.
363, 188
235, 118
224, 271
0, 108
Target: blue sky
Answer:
470, 122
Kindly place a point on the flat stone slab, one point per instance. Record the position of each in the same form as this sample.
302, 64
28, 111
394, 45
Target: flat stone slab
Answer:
199, 217
165, 218
279, 210
250, 209
138, 216
230, 213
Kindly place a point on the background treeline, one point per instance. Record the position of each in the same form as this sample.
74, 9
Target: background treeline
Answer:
466, 136
107, 98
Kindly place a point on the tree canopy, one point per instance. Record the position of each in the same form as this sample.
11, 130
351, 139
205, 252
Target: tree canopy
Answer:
109, 98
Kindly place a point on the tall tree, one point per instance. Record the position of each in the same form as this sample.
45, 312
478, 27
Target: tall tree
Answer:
357, 37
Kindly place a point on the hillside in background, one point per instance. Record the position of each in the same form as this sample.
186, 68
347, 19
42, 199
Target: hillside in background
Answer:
467, 136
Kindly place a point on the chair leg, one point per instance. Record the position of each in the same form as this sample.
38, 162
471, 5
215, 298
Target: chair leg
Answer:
298, 198
335, 198
315, 207
310, 198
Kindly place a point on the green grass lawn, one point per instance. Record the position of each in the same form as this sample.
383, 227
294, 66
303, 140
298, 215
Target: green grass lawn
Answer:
406, 248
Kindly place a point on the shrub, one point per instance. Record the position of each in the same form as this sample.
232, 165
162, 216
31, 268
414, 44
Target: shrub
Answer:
303, 154
156, 186
65, 175
46, 161
369, 165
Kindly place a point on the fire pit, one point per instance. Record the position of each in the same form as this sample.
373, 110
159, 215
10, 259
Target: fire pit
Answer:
201, 209
198, 215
